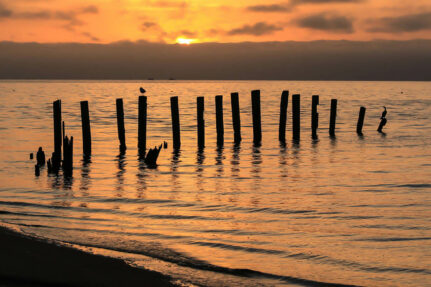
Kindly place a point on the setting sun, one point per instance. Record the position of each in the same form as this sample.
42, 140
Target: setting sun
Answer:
185, 41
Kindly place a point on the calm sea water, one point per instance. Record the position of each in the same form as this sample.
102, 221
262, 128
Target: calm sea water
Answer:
347, 210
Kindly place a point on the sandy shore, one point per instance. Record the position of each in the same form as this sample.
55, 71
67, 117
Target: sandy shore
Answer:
30, 262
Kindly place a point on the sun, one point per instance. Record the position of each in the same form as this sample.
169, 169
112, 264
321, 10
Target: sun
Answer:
185, 41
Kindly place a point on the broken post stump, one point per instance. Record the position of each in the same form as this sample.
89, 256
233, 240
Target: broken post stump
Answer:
333, 117
151, 156
120, 125
296, 117
31, 155
257, 128
236, 120
40, 157
86, 131
200, 101
314, 116
175, 123
142, 124
219, 120
283, 116
360, 120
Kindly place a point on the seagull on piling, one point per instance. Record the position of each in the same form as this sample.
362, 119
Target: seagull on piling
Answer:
142, 90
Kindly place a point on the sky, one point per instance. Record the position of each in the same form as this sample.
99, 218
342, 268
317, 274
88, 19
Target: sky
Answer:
221, 21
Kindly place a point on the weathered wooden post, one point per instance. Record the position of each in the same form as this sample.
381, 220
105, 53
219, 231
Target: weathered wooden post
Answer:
200, 101
236, 120
142, 124
314, 116
255, 106
283, 116
296, 117
333, 117
360, 120
86, 131
175, 123
219, 120
56, 159
120, 125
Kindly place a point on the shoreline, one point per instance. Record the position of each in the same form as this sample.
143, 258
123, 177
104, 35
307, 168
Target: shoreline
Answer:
27, 261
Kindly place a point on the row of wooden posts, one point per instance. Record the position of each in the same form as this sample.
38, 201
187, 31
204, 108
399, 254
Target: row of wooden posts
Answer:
256, 116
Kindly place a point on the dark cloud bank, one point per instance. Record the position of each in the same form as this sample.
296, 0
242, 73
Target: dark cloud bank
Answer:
318, 60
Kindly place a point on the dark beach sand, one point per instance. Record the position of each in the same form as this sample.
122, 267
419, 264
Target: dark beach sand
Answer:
30, 262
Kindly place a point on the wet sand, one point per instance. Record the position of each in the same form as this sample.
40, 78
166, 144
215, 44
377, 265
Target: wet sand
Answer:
26, 261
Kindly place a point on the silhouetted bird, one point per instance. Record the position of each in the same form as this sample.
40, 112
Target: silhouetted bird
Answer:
384, 113
142, 90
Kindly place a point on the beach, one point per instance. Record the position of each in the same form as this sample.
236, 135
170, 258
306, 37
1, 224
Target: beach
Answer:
27, 261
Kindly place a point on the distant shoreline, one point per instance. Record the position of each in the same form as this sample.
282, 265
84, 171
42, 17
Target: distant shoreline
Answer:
30, 262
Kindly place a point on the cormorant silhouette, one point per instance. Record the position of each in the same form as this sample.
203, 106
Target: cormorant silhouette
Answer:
384, 113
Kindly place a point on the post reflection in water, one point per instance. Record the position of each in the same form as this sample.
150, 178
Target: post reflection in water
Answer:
85, 177
236, 150
200, 159
219, 161
141, 183
256, 174
121, 164
175, 162
283, 167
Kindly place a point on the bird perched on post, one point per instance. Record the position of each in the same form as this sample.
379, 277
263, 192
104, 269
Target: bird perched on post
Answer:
142, 90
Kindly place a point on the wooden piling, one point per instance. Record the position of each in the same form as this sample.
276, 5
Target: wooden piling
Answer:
283, 116
333, 117
142, 124
236, 120
219, 120
255, 105
296, 117
200, 101
360, 120
86, 131
314, 116
120, 125
56, 159
175, 123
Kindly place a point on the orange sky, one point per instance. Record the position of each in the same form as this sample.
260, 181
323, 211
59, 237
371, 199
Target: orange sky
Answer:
105, 21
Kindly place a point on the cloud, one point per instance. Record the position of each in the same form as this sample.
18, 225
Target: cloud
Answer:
5, 12
169, 4
147, 25
270, 8
90, 36
325, 22
287, 7
299, 2
257, 29
404, 23
70, 16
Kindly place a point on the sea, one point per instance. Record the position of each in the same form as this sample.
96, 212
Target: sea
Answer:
349, 210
